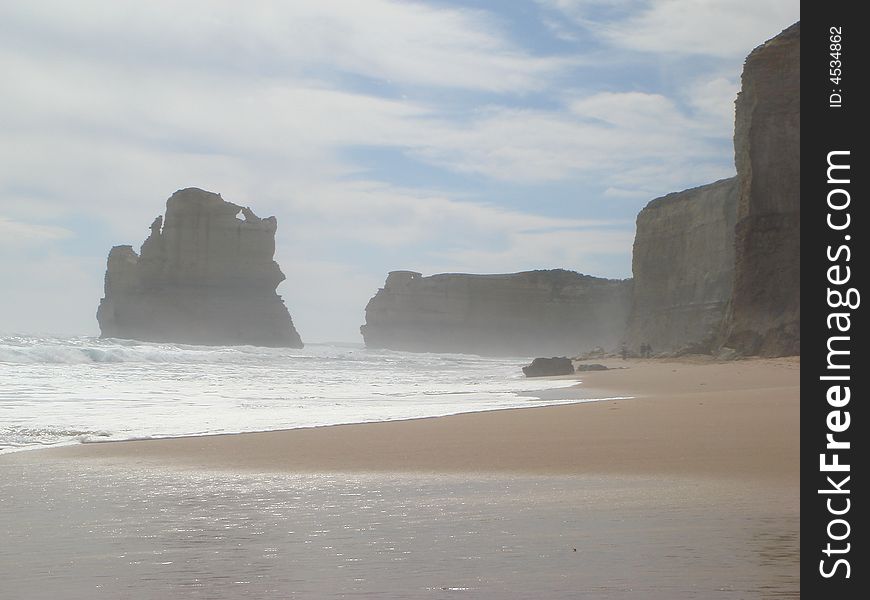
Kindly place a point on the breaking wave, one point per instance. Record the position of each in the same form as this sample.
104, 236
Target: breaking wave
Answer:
56, 390
92, 350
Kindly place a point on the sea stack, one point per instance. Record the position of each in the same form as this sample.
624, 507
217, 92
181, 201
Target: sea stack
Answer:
533, 313
203, 276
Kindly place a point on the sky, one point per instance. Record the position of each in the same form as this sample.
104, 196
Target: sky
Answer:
435, 136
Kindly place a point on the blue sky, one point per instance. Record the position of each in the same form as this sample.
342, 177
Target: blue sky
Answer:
439, 136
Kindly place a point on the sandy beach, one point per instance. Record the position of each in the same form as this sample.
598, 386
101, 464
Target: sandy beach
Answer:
687, 490
687, 417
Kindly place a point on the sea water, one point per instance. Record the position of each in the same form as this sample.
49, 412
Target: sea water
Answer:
56, 390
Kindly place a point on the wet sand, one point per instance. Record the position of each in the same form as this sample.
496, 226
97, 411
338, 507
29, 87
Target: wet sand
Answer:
689, 490
81, 530
737, 419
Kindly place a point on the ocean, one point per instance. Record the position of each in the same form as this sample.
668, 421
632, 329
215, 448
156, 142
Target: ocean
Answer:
62, 390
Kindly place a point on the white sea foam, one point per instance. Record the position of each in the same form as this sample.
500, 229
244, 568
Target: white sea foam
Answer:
62, 390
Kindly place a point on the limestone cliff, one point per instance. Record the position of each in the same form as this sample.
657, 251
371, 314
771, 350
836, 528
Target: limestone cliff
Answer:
203, 276
764, 316
683, 266
530, 313
719, 265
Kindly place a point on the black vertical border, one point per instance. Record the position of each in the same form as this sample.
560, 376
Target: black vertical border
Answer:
825, 129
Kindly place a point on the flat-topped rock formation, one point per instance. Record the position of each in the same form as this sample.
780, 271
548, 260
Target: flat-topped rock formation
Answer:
765, 308
203, 276
683, 266
531, 313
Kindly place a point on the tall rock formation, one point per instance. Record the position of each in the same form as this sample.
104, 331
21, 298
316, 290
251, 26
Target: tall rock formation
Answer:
683, 265
529, 313
719, 265
765, 308
203, 276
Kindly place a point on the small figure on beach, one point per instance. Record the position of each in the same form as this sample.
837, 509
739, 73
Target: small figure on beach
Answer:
623, 351
645, 350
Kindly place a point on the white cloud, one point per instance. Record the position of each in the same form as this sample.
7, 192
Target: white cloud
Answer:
602, 135
16, 233
721, 28
633, 110
654, 180
196, 130
726, 28
713, 98
402, 42
589, 251
389, 216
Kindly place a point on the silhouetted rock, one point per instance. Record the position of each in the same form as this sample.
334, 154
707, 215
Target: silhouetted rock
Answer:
530, 313
203, 276
544, 367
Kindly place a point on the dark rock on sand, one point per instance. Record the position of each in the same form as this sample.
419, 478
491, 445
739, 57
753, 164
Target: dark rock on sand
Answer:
542, 367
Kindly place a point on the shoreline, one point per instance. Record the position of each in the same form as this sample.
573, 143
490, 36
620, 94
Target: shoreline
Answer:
694, 417
687, 490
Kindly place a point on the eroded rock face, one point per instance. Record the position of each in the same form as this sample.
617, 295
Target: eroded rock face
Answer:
203, 276
719, 266
765, 309
529, 313
683, 268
